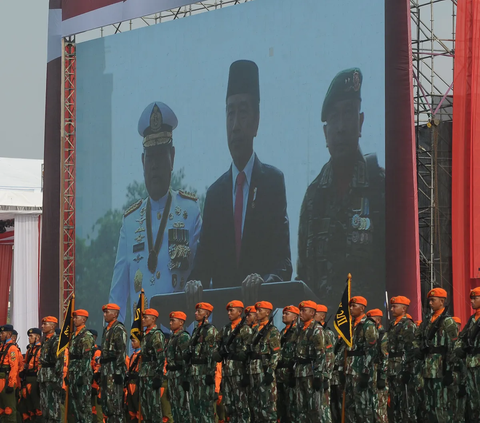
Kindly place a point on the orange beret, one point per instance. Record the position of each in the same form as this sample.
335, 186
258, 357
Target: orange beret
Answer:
437, 292
150, 312
308, 304
457, 320
250, 309
80, 312
321, 307
400, 300
235, 303
475, 292
291, 309
375, 312
358, 300
204, 306
264, 304
49, 319
178, 315
111, 306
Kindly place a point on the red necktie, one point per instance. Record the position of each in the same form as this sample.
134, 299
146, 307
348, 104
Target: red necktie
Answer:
237, 216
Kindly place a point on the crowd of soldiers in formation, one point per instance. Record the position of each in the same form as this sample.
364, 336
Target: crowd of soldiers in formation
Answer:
248, 370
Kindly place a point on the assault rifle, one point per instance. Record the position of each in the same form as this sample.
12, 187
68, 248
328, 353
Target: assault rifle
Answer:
193, 343
225, 348
261, 333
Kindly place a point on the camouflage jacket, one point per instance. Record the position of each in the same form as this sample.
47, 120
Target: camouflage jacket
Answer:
310, 351
80, 355
235, 363
401, 336
381, 361
469, 341
361, 356
153, 353
202, 362
437, 340
114, 348
339, 362
329, 352
174, 353
288, 338
51, 366
265, 350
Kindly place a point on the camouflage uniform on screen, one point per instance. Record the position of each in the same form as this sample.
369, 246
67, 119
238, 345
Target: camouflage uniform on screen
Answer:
310, 363
286, 406
50, 379
234, 372
80, 375
264, 359
337, 383
112, 371
175, 350
359, 372
202, 370
401, 371
151, 374
380, 399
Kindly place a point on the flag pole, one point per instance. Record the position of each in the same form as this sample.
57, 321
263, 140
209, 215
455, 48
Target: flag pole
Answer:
70, 332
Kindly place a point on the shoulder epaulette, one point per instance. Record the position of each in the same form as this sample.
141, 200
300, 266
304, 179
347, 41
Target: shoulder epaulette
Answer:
132, 208
188, 195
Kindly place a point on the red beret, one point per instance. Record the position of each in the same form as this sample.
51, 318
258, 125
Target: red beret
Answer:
264, 304
235, 303
49, 319
308, 304
457, 320
150, 312
437, 292
358, 300
475, 292
80, 312
291, 309
178, 315
400, 300
250, 309
376, 312
321, 307
204, 306
111, 306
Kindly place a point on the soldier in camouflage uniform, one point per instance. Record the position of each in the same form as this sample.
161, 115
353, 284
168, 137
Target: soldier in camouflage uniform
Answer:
201, 366
359, 368
151, 367
457, 390
337, 383
467, 348
330, 341
232, 346
113, 367
174, 351
80, 372
251, 313
50, 374
263, 360
286, 409
97, 413
342, 218
380, 386
435, 341
310, 364
401, 365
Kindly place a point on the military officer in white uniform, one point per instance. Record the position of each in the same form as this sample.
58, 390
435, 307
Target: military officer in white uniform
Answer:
159, 234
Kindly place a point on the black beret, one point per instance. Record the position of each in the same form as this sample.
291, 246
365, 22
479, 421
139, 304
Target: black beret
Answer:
93, 332
6, 328
243, 79
14, 332
34, 331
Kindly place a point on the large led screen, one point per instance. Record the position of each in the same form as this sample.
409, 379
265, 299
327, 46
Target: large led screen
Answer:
235, 154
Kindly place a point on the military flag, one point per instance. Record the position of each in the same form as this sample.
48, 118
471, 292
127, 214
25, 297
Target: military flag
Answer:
67, 328
136, 330
343, 320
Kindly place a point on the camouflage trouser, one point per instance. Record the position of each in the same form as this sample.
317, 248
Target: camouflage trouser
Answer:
8, 403
402, 409
326, 416
286, 403
150, 401
131, 402
473, 394
80, 394
307, 400
178, 400
262, 399
380, 405
336, 402
457, 403
358, 402
436, 402
202, 400
30, 400
236, 399
50, 399
112, 399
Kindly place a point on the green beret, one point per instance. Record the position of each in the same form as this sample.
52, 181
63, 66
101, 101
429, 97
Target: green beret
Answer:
346, 85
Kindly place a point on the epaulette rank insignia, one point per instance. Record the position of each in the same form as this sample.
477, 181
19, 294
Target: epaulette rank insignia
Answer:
132, 208
189, 195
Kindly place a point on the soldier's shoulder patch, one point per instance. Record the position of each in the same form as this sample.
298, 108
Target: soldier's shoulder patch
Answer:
13, 356
188, 195
132, 208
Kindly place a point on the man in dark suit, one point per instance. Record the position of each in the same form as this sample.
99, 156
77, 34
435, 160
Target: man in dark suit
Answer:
245, 234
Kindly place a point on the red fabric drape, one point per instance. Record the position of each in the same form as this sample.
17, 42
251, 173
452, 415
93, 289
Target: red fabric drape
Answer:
466, 157
5, 278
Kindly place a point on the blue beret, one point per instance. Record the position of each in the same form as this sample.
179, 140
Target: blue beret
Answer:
93, 332
33, 331
156, 124
346, 85
6, 328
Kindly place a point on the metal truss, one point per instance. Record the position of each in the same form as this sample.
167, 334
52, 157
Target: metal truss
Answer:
67, 247
433, 52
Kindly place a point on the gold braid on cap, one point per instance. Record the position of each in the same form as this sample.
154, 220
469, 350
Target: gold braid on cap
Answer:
159, 138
